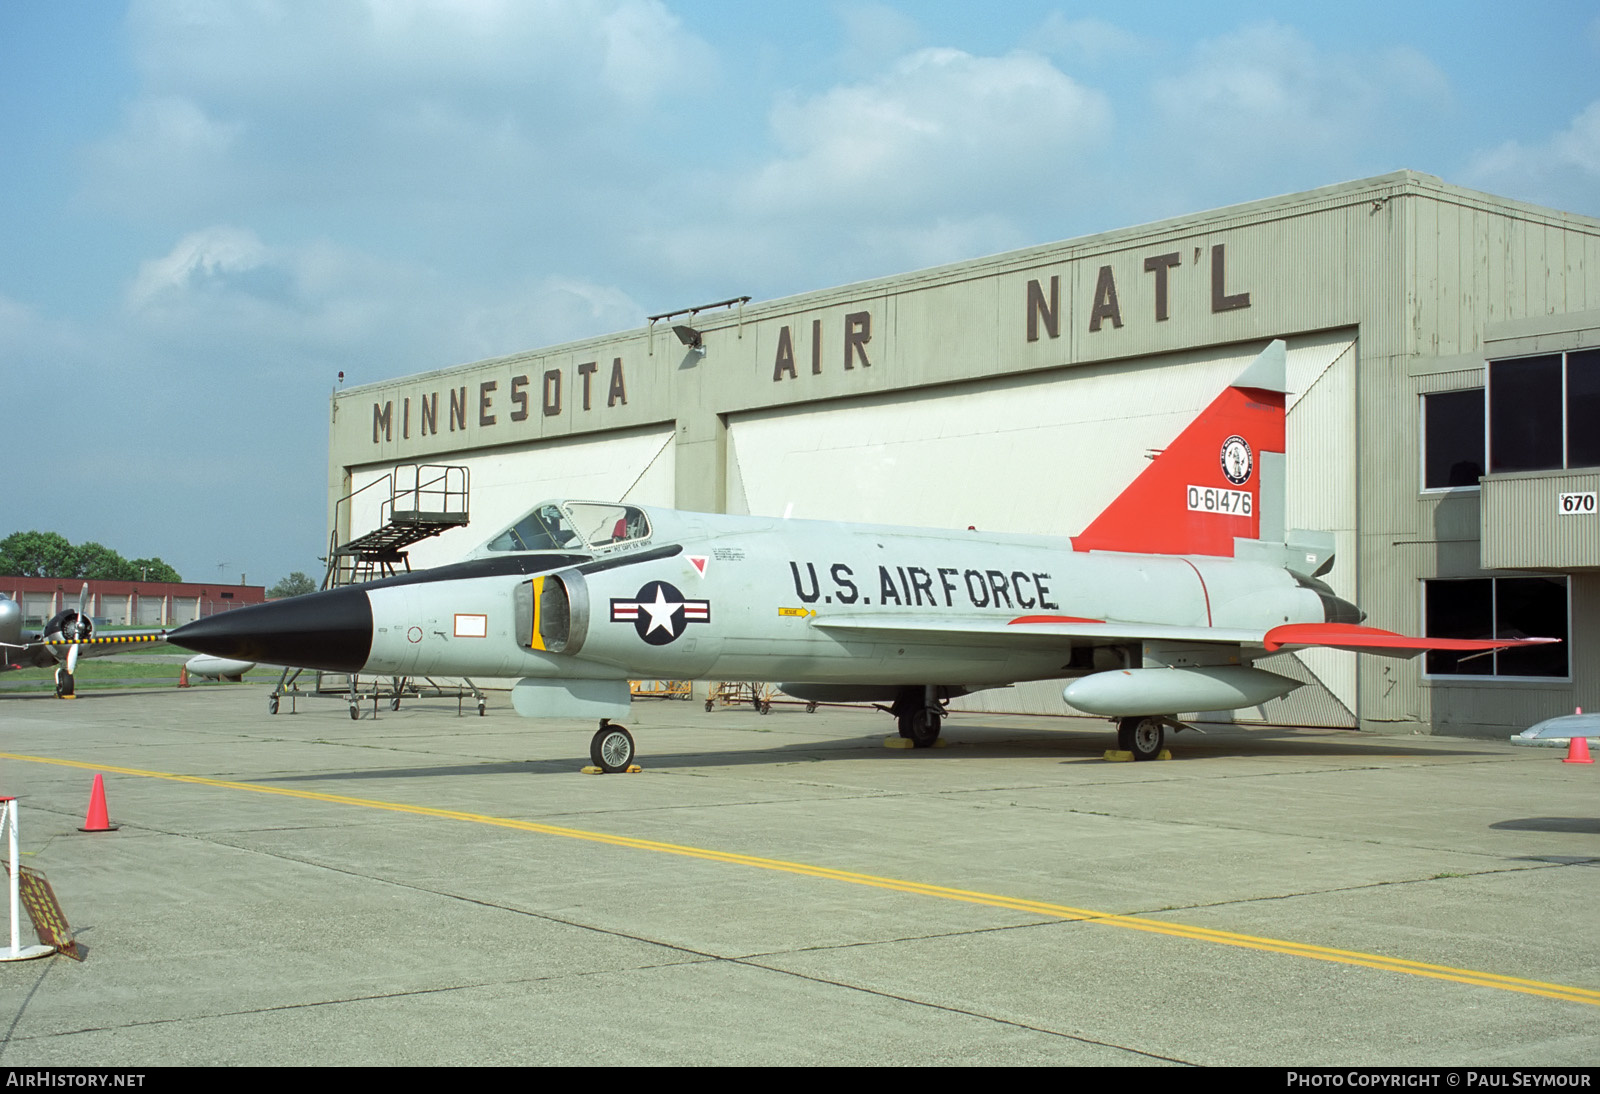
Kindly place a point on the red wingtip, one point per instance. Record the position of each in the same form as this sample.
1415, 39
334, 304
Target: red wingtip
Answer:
1351, 636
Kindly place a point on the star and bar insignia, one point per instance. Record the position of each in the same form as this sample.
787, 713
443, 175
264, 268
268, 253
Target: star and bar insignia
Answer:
660, 613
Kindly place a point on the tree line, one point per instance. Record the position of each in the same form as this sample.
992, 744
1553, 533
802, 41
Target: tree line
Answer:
49, 554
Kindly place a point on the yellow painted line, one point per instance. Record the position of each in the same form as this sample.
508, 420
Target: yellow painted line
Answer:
1472, 977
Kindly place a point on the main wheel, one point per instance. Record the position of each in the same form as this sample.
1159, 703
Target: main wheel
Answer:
355, 712
1141, 736
611, 748
272, 704
710, 703
921, 727
483, 704
394, 703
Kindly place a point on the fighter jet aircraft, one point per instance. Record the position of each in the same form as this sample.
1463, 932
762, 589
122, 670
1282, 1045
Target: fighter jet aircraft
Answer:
68, 636
1159, 607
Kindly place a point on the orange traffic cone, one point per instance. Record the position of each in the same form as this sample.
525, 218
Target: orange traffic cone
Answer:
97, 821
1578, 751
183, 676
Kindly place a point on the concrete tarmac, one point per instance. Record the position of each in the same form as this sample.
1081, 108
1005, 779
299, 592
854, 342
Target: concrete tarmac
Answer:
423, 888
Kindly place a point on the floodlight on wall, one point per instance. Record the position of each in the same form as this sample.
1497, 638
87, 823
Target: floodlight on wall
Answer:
690, 337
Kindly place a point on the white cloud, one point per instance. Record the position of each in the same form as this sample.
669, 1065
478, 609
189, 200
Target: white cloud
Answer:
1562, 170
555, 310
874, 35
942, 132
200, 258
1264, 97
302, 49
1090, 40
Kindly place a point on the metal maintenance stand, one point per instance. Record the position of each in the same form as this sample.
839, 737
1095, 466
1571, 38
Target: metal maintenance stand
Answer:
16, 951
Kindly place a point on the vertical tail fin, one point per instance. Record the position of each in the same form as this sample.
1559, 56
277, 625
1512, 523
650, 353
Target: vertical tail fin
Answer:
1221, 479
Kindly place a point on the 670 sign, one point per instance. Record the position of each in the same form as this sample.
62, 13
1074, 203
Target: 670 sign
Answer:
1575, 504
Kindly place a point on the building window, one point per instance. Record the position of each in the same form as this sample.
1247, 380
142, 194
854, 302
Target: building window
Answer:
1498, 607
1452, 439
1542, 410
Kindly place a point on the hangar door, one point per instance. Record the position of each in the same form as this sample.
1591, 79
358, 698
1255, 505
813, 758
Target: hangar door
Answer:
1045, 454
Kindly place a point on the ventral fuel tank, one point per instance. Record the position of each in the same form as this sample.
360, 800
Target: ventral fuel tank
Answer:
1126, 693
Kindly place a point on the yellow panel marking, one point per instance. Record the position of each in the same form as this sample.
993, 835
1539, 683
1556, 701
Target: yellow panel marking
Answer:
803, 613
1473, 977
536, 640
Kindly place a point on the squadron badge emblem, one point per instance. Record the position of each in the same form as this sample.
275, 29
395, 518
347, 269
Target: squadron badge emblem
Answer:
1237, 460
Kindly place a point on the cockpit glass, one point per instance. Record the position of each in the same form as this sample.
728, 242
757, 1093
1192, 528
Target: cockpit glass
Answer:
544, 529
573, 526
608, 525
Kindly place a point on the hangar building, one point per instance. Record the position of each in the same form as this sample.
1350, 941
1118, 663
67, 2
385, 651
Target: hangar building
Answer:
1444, 419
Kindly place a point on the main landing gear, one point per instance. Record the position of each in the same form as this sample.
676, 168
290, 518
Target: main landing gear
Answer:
1142, 736
611, 748
918, 714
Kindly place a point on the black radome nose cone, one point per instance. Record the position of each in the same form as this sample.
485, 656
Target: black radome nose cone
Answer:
329, 630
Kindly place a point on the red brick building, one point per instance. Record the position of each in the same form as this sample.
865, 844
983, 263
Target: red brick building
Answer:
128, 603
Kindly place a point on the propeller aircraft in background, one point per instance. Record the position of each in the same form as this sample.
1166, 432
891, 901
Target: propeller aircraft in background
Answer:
68, 636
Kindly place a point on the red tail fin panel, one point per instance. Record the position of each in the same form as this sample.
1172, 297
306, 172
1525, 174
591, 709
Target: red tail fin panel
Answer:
1204, 489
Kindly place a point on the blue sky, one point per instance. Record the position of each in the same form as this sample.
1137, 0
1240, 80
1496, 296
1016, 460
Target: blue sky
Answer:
211, 209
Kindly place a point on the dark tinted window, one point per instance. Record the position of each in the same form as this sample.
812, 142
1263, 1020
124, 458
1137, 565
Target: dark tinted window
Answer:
1453, 431
1583, 408
1531, 607
1506, 607
1525, 414
1460, 609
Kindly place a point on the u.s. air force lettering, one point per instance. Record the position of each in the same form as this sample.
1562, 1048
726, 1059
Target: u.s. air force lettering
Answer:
914, 586
660, 613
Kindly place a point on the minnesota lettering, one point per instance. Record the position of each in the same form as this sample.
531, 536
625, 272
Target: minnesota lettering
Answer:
486, 403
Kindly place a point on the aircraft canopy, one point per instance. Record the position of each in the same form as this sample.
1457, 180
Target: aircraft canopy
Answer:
574, 525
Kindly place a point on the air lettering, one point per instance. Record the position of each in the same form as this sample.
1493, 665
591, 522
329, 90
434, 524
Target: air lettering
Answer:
784, 362
857, 333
